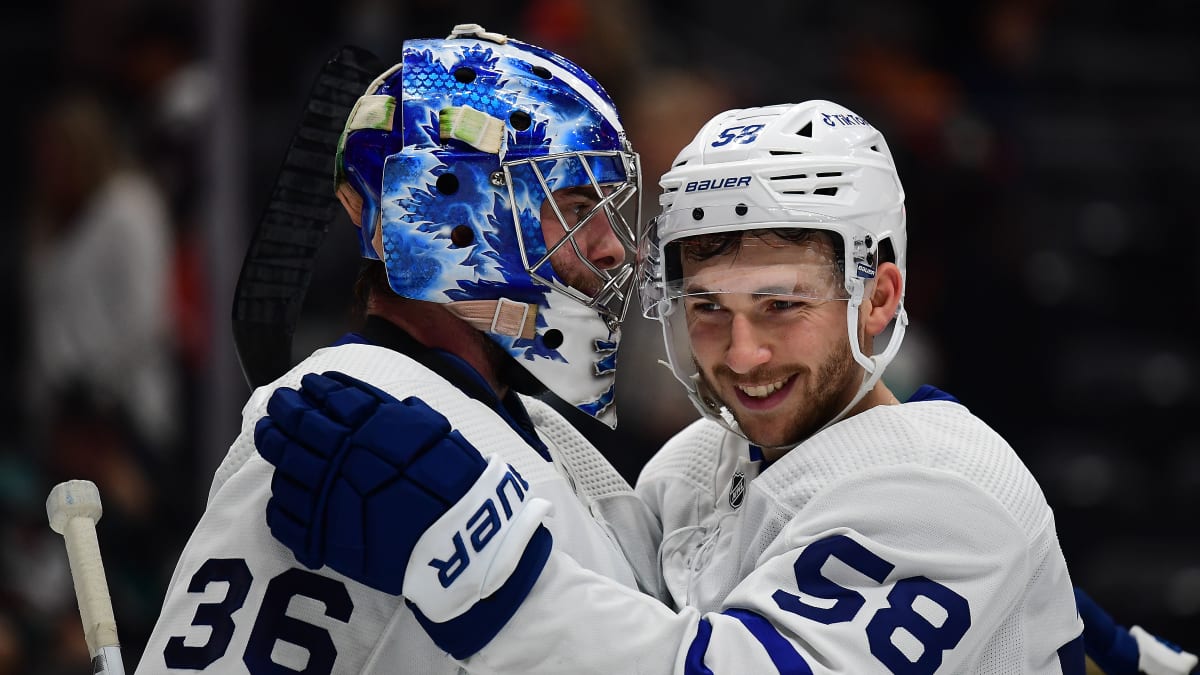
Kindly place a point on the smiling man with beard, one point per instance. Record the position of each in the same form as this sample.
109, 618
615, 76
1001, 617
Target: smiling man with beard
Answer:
810, 522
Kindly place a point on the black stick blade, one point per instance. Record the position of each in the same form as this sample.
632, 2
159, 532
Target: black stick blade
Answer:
279, 262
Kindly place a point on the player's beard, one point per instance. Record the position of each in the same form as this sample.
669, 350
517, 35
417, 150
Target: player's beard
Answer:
816, 401
574, 273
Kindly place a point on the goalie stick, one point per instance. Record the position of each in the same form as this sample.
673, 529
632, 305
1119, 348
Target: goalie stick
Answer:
279, 262
73, 508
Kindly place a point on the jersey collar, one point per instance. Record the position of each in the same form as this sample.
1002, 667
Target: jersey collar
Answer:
928, 392
383, 333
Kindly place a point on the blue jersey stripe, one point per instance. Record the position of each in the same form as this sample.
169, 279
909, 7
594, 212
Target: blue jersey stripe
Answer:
1071, 657
694, 664
1112, 648
469, 632
785, 657
927, 392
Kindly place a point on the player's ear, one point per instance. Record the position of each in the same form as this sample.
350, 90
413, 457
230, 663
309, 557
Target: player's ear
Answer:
885, 294
351, 201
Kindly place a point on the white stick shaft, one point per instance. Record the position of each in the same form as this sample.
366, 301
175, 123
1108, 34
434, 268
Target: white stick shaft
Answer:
108, 662
91, 591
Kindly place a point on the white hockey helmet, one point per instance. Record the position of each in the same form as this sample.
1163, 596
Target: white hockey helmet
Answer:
809, 166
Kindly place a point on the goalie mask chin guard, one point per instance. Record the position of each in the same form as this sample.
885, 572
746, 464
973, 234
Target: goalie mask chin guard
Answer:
445, 165
813, 166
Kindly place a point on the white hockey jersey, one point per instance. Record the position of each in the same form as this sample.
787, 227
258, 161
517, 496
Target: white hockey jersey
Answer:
238, 602
906, 539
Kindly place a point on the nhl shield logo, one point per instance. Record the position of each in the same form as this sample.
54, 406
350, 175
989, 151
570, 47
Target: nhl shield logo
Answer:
737, 489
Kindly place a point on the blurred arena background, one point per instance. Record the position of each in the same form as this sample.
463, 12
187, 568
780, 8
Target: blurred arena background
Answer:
1050, 150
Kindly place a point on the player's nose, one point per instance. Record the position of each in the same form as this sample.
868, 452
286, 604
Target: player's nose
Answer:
603, 248
748, 347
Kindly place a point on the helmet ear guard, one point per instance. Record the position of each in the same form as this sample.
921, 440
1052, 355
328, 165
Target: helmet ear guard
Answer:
445, 165
796, 167
358, 166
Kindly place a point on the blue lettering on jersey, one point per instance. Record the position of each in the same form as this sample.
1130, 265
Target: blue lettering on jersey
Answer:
235, 575
899, 614
717, 183
481, 527
270, 625
275, 626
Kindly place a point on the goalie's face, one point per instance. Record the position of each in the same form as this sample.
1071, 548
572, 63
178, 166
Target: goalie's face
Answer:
766, 321
591, 245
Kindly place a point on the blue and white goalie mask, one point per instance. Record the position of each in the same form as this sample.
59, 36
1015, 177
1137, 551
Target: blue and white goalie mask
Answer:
495, 177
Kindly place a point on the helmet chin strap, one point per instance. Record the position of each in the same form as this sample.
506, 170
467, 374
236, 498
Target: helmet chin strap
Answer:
873, 366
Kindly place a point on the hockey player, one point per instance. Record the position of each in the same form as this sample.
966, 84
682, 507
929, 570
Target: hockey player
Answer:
490, 181
811, 522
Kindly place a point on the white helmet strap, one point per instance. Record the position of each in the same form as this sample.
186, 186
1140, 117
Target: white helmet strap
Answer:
873, 366
501, 316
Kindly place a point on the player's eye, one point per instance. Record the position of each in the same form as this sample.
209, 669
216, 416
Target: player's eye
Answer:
574, 206
700, 305
582, 205
783, 307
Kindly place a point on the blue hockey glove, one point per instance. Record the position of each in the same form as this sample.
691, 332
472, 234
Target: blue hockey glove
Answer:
386, 493
1118, 651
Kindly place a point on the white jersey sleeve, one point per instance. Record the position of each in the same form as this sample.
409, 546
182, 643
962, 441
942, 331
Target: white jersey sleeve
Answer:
605, 493
238, 602
908, 539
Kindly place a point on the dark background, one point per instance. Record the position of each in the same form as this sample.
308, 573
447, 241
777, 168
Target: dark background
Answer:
1048, 150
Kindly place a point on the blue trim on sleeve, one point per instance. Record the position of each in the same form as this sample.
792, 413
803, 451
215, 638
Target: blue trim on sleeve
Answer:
783, 654
1110, 646
1071, 659
694, 663
469, 632
928, 392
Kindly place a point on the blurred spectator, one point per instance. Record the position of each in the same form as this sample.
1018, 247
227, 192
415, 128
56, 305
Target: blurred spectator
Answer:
171, 94
97, 273
101, 380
